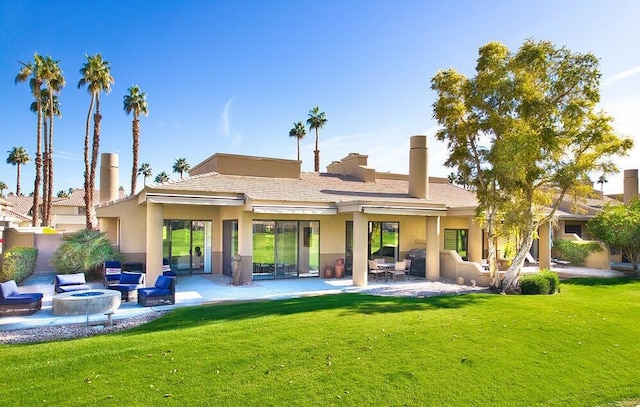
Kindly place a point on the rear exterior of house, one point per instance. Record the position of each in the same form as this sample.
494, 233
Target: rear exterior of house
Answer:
282, 223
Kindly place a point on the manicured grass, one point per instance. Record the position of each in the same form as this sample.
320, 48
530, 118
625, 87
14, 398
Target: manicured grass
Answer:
576, 348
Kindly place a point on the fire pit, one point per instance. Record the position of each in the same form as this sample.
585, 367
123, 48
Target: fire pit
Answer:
86, 302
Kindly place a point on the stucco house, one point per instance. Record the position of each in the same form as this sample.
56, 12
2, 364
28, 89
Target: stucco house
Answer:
284, 223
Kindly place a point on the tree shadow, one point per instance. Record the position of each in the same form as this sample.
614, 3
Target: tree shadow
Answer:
347, 304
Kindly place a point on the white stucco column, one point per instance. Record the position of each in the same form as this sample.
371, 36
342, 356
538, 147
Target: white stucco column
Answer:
433, 247
155, 217
360, 249
544, 246
475, 241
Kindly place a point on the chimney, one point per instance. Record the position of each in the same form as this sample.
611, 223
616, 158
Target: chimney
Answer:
418, 168
630, 185
109, 177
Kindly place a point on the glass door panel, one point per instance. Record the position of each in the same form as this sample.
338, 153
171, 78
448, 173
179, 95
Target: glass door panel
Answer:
286, 249
263, 249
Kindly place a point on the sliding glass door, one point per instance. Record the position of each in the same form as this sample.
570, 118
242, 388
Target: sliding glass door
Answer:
187, 245
285, 249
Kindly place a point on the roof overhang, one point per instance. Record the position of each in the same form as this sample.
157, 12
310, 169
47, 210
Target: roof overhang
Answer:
399, 210
294, 209
177, 199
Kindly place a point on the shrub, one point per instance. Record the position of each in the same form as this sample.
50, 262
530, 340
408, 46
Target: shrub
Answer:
18, 263
575, 252
534, 284
553, 279
84, 251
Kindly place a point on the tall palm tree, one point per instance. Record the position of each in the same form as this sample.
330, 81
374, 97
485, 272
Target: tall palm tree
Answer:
3, 186
47, 168
17, 157
136, 102
96, 74
53, 79
298, 131
316, 120
602, 180
162, 177
34, 71
145, 171
181, 166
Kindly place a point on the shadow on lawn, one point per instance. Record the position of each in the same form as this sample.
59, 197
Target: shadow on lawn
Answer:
345, 304
601, 281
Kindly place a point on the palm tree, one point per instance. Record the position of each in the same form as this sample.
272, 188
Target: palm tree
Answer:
181, 166
162, 177
53, 79
63, 194
316, 120
451, 178
17, 157
602, 180
96, 74
145, 171
298, 131
3, 186
33, 71
135, 102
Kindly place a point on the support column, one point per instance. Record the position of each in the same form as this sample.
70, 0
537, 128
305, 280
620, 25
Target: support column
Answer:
475, 242
155, 217
544, 246
433, 248
360, 248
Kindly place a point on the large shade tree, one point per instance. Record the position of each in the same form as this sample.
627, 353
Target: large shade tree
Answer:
96, 75
298, 131
526, 133
34, 71
18, 156
618, 226
181, 166
316, 120
135, 102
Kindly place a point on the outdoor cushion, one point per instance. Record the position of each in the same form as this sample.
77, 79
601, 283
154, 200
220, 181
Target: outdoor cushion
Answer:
69, 279
9, 288
131, 278
112, 267
154, 291
163, 282
26, 298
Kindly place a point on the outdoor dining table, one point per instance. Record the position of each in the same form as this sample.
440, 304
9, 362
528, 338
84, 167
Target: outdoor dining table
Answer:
387, 267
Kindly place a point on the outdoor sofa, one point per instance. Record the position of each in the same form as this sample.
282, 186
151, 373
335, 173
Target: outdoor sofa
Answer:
71, 282
128, 285
162, 293
12, 302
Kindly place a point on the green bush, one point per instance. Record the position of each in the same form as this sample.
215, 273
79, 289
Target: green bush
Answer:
18, 263
84, 251
575, 252
553, 279
534, 284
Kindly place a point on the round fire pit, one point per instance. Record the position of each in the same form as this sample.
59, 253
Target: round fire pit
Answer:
86, 302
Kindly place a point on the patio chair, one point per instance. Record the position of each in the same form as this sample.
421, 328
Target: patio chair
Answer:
399, 270
162, 293
407, 270
111, 270
128, 285
375, 270
167, 272
12, 302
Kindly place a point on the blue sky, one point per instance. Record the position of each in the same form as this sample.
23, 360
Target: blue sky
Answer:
233, 76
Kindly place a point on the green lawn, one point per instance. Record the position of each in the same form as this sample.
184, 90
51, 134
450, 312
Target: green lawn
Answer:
577, 348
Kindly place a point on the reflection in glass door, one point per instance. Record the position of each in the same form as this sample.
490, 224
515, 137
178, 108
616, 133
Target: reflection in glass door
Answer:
187, 245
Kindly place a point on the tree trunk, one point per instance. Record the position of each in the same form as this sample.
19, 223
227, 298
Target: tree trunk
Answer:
50, 164
45, 172
94, 156
512, 276
87, 193
136, 145
36, 183
18, 180
316, 155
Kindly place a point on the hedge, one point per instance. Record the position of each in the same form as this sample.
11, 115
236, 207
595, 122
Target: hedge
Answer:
18, 263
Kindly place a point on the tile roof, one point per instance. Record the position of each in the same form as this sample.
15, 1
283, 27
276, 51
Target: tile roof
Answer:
318, 188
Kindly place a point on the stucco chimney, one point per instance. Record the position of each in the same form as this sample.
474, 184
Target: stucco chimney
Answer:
418, 167
630, 185
109, 177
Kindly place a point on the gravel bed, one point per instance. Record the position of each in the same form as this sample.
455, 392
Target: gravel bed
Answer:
59, 332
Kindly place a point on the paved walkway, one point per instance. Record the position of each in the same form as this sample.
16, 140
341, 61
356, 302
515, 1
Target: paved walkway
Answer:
202, 289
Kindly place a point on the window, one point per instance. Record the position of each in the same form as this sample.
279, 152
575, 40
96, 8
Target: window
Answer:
384, 240
457, 239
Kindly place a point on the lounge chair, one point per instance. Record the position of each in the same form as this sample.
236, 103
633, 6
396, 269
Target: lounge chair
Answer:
375, 270
111, 270
12, 302
128, 285
162, 293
